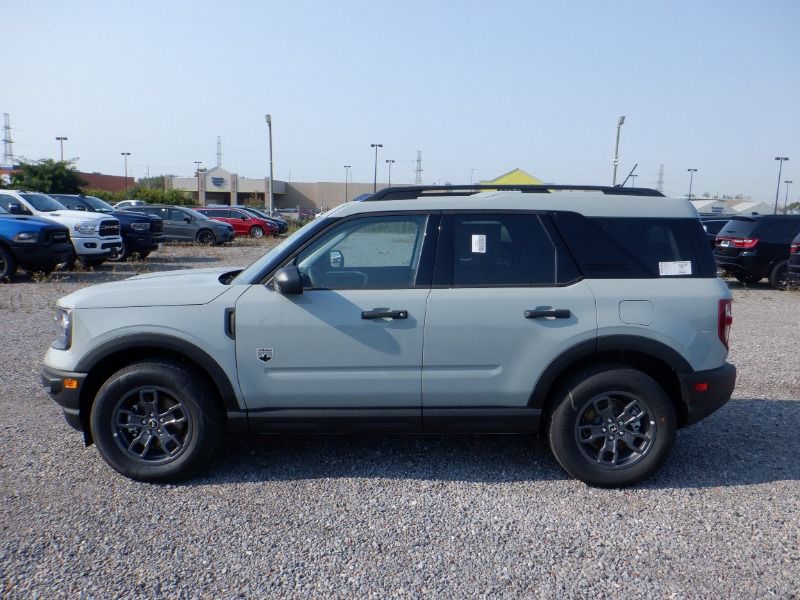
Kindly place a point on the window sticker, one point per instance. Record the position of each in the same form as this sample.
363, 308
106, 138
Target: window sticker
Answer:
479, 244
676, 267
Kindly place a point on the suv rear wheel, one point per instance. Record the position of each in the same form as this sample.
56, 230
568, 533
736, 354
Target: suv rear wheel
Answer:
155, 421
612, 427
779, 276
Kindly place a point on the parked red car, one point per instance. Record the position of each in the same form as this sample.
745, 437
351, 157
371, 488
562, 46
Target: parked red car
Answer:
243, 223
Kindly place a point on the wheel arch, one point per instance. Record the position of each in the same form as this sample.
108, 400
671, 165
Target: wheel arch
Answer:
108, 358
653, 358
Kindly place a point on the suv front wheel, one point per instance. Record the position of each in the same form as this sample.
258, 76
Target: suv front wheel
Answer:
155, 421
612, 427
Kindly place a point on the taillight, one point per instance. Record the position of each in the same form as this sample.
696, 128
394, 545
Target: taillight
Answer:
737, 242
724, 322
794, 248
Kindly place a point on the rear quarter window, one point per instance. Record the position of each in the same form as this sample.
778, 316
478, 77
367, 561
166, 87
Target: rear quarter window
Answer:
632, 247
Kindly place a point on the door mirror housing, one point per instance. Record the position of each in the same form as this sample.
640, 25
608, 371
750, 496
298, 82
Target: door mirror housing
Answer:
15, 209
288, 281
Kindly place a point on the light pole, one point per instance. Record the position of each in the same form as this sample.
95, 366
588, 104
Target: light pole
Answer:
126, 155
269, 125
786, 198
633, 180
197, 170
375, 176
471, 173
778, 191
389, 162
616, 149
61, 140
691, 179
346, 179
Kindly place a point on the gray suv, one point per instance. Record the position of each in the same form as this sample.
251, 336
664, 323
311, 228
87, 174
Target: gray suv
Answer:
591, 316
183, 224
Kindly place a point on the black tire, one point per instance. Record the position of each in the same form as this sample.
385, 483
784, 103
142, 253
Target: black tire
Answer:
779, 276
206, 236
123, 255
604, 453
256, 232
748, 279
156, 421
7, 264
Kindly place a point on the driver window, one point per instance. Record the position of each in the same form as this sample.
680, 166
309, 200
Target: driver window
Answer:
367, 253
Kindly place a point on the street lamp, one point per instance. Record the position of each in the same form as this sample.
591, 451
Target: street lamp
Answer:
691, 179
389, 162
268, 118
778, 191
197, 171
346, 178
61, 140
786, 199
126, 155
616, 149
375, 176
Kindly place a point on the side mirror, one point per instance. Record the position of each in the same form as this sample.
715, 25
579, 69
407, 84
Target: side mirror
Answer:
336, 259
187, 219
287, 280
15, 209
245, 218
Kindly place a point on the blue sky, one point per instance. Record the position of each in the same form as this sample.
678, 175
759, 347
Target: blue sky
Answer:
711, 85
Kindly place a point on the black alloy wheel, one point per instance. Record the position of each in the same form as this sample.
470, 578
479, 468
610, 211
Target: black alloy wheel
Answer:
206, 237
779, 277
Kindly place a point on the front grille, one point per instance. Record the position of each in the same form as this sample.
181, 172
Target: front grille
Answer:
109, 228
58, 236
156, 226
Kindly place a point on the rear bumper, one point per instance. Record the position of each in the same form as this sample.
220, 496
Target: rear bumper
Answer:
67, 399
746, 263
706, 391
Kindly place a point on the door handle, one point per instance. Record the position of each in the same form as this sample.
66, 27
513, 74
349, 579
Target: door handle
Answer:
558, 313
384, 314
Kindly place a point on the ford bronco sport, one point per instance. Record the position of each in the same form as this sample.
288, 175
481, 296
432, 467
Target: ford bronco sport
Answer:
591, 315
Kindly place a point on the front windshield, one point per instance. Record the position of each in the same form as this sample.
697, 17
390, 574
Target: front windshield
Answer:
98, 205
195, 214
43, 203
271, 259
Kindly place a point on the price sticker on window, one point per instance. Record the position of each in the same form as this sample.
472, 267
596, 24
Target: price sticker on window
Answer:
673, 268
479, 244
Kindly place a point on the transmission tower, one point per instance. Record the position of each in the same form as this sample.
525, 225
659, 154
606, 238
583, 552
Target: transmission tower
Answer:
660, 184
418, 177
8, 143
219, 152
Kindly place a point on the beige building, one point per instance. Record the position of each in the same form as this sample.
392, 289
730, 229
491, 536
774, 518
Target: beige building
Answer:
219, 186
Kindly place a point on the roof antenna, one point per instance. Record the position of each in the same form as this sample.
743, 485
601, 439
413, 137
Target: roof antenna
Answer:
629, 175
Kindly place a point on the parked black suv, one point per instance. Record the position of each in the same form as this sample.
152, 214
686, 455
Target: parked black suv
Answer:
751, 248
712, 225
141, 233
794, 261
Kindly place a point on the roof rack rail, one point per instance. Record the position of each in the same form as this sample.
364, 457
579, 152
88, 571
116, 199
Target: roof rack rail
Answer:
413, 192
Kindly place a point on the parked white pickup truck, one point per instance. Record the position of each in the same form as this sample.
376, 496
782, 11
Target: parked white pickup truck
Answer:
94, 236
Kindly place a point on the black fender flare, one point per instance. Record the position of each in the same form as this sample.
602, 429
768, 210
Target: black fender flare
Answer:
600, 346
171, 344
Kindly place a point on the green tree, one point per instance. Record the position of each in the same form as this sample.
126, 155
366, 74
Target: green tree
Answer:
48, 176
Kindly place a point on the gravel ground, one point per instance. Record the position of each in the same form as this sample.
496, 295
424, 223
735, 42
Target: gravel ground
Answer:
386, 516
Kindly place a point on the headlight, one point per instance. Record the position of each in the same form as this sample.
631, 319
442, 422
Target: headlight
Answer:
88, 227
63, 329
26, 236
140, 226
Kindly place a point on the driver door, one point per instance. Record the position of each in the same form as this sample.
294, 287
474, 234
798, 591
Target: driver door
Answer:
353, 338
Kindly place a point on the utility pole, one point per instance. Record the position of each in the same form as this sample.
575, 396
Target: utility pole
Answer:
778, 191
61, 140
390, 162
197, 173
786, 198
346, 178
616, 150
269, 125
126, 155
418, 171
375, 176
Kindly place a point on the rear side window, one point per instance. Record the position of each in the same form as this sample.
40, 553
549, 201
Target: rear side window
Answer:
738, 228
216, 213
503, 249
629, 247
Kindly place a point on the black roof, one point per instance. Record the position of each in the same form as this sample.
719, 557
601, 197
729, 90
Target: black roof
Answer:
412, 192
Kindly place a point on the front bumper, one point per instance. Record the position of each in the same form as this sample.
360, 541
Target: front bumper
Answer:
67, 398
96, 247
706, 391
41, 258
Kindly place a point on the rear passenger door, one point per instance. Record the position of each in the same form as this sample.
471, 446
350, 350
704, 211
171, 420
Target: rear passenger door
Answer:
507, 299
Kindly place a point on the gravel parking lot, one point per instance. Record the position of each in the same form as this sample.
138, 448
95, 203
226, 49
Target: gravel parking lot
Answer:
386, 516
